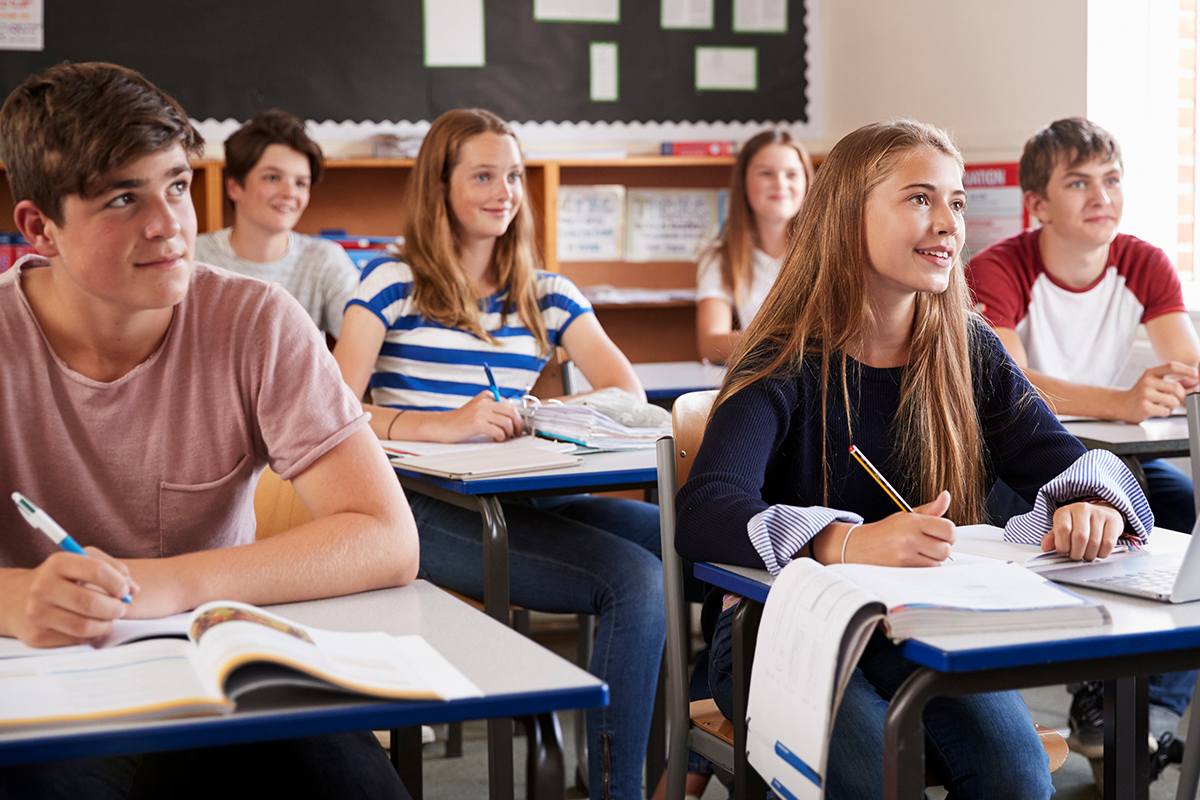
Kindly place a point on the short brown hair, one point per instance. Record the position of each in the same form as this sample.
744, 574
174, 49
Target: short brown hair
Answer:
63, 130
1070, 141
245, 146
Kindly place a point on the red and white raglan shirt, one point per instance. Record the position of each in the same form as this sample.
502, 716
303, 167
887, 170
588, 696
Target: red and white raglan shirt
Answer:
1080, 335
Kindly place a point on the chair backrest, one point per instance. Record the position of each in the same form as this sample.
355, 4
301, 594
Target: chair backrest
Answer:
277, 507
688, 418
675, 455
557, 377
1192, 402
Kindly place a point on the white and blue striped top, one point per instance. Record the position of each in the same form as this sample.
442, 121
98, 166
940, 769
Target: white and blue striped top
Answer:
427, 366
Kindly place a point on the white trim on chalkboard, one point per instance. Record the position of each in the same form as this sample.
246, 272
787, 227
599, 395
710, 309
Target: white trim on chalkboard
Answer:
216, 131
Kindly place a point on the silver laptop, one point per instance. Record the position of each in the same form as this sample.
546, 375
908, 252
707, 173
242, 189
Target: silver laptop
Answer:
1169, 578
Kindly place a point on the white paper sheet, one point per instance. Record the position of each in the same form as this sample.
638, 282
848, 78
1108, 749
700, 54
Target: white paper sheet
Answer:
577, 10
760, 16
605, 86
727, 69
687, 14
453, 33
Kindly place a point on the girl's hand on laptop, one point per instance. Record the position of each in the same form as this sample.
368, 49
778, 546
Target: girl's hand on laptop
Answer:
1084, 531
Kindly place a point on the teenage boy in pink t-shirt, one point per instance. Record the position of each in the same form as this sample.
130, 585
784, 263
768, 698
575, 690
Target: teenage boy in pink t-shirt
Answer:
143, 396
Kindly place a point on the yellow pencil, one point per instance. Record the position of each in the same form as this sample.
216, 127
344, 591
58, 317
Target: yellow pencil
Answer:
882, 481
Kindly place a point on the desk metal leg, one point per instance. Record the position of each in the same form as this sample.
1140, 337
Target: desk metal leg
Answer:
500, 766
495, 558
904, 736
1126, 733
406, 759
747, 783
545, 775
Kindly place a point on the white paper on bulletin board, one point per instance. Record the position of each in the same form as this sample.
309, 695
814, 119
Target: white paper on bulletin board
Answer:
669, 224
591, 221
22, 25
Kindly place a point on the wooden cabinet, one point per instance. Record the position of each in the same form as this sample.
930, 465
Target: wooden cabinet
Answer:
366, 197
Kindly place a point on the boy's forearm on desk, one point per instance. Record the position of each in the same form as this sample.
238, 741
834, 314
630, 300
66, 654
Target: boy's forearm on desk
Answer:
339, 554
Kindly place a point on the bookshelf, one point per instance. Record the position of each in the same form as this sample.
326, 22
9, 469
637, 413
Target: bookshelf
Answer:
366, 196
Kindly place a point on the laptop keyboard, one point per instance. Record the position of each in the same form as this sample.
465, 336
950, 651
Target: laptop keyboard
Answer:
1158, 581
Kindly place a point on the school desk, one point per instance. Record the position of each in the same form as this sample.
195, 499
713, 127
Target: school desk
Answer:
631, 469
1146, 637
1157, 437
666, 380
518, 677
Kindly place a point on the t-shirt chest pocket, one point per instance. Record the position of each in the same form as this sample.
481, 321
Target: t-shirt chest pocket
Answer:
207, 516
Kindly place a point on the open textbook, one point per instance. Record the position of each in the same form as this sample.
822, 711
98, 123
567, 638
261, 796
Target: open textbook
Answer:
231, 650
817, 622
588, 427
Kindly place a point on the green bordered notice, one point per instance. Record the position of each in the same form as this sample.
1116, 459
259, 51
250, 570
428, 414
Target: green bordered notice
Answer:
605, 83
726, 69
760, 16
685, 15
577, 10
453, 33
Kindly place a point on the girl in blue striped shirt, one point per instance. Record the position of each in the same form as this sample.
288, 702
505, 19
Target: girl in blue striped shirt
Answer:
417, 334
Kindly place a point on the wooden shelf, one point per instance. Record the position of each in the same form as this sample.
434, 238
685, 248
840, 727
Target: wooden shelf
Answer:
366, 196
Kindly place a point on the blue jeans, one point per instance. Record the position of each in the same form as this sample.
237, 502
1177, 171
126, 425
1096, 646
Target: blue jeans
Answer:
980, 746
579, 555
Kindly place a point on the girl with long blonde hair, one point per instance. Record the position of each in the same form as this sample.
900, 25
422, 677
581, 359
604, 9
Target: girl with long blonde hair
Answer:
868, 339
734, 275
418, 333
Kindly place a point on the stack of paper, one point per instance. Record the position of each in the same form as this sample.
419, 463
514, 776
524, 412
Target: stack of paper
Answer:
507, 458
589, 428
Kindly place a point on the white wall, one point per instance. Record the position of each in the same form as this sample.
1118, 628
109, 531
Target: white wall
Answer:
992, 73
989, 72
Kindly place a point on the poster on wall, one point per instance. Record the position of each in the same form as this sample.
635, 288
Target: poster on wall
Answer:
21, 25
995, 205
590, 223
669, 224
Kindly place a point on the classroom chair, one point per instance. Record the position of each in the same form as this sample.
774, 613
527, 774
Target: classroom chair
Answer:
278, 508
699, 725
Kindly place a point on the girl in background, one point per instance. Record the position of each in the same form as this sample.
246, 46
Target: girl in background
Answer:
418, 333
771, 175
868, 339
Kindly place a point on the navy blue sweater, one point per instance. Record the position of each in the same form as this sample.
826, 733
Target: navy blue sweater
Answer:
763, 448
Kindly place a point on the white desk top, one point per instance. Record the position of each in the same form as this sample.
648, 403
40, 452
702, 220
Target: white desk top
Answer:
669, 379
1172, 429
509, 668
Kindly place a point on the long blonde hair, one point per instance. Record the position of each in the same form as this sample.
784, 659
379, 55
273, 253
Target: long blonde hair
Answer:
739, 237
442, 290
819, 308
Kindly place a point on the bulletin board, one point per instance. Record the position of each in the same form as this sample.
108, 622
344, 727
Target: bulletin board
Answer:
370, 60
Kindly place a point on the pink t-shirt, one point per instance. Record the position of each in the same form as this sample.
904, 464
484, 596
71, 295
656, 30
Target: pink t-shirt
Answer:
164, 460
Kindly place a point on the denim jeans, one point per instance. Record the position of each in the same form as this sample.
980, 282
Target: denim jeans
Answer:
332, 766
576, 554
979, 746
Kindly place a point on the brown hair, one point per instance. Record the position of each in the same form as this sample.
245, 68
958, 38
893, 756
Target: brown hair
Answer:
63, 130
245, 146
739, 237
442, 289
819, 308
1070, 141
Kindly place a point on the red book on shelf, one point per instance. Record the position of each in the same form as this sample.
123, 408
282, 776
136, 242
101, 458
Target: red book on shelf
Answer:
699, 148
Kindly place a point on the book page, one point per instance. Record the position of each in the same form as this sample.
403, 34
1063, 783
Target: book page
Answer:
155, 678
232, 635
123, 632
987, 541
812, 633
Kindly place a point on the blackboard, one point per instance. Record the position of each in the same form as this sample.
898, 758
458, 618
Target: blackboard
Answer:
361, 60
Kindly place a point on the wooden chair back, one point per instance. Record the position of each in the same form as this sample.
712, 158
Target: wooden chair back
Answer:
689, 415
277, 507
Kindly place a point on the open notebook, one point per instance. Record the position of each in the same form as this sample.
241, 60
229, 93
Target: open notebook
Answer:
513, 457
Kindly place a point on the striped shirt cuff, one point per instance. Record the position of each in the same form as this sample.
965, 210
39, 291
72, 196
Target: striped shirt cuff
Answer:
1097, 473
779, 531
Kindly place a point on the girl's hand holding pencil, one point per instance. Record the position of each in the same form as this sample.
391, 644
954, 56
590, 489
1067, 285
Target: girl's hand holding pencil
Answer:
921, 538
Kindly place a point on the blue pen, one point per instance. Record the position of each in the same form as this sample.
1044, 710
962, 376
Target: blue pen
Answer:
43, 522
492, 381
